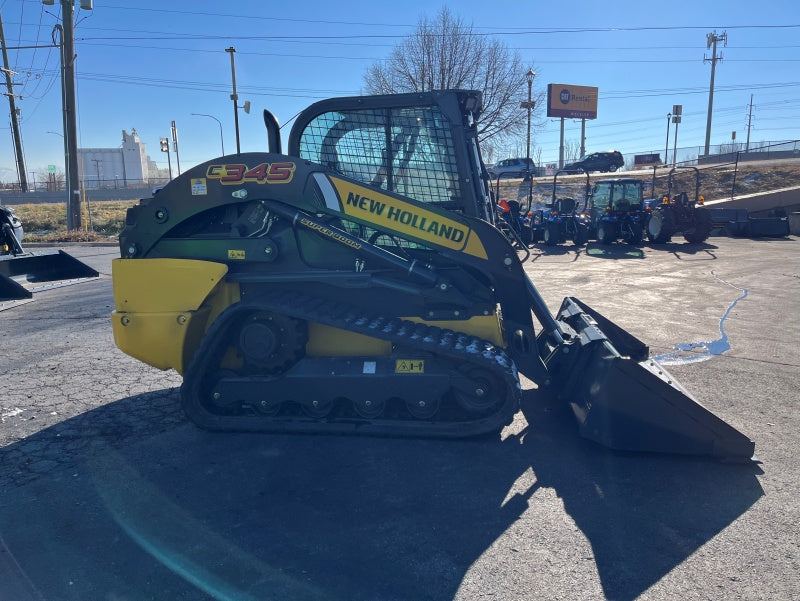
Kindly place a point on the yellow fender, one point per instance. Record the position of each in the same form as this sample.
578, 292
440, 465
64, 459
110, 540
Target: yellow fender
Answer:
164, 306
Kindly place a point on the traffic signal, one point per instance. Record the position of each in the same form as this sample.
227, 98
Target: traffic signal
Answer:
164, 144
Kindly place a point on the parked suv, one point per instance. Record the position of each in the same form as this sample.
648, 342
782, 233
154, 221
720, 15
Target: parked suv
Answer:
513, 168
597, 161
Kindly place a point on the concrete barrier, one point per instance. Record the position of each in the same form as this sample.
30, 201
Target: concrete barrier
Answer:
102, 195
762, 202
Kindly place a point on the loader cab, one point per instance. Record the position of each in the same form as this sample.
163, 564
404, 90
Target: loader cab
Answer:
422, 146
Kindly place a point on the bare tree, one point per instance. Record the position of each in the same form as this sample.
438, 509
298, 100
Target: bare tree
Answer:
572, 150
445, 53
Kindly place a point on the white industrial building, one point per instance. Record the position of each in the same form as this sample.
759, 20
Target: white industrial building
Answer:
122, 167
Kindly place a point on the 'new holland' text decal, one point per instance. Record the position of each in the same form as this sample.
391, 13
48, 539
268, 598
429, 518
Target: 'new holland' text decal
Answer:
392, 214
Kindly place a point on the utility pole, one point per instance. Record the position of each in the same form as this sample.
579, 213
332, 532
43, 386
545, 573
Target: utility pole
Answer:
23, 178
712, 39
749, 123
67, 46
235, 98
70, 116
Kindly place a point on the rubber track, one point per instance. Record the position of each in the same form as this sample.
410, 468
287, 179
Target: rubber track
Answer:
460, 347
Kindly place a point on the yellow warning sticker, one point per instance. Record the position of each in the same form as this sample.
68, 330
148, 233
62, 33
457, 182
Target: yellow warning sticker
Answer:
409, 366
236, 254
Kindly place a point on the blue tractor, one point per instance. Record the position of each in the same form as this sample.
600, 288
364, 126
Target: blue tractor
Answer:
618, 210
565, 218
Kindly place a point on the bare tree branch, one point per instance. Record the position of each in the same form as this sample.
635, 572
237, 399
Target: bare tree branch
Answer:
445, 53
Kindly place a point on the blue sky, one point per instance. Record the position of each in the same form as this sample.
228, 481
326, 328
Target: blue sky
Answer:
142, 64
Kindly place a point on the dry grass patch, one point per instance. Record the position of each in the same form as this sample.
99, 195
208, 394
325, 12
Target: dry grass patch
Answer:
47, 222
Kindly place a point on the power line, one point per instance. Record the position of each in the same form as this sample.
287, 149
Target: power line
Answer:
393, 36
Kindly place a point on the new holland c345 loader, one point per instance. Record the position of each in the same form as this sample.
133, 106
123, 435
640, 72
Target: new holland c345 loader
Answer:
359, 283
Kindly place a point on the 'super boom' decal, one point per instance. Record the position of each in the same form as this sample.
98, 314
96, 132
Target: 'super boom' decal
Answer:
231, 174
389, 213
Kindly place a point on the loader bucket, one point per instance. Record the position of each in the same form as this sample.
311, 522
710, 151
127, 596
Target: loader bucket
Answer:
627, 401
22, 274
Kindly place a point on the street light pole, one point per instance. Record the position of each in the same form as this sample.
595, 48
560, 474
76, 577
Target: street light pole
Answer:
666, 148
235, 98
529, 105
221, 140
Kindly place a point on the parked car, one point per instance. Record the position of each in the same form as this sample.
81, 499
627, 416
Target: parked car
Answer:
610, 160
515, 167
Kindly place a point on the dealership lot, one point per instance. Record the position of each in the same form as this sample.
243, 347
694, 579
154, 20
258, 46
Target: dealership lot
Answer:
108, 492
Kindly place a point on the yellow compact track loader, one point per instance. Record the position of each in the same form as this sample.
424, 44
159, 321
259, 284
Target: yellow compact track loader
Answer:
360, 283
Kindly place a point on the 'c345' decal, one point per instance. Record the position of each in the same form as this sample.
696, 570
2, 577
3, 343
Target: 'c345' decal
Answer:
231, 174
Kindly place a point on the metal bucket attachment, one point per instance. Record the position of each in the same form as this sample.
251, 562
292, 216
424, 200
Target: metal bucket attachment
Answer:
20, 275
624, 400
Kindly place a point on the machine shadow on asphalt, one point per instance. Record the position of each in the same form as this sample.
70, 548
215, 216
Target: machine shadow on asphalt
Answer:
647, 511
335, 517
688, 252
558, 251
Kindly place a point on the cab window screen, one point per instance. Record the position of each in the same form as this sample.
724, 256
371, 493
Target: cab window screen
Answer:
407, 150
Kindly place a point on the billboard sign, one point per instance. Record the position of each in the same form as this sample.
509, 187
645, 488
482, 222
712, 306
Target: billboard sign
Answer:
574, 102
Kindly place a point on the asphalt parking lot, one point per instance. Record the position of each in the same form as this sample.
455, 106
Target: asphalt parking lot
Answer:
108, 493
